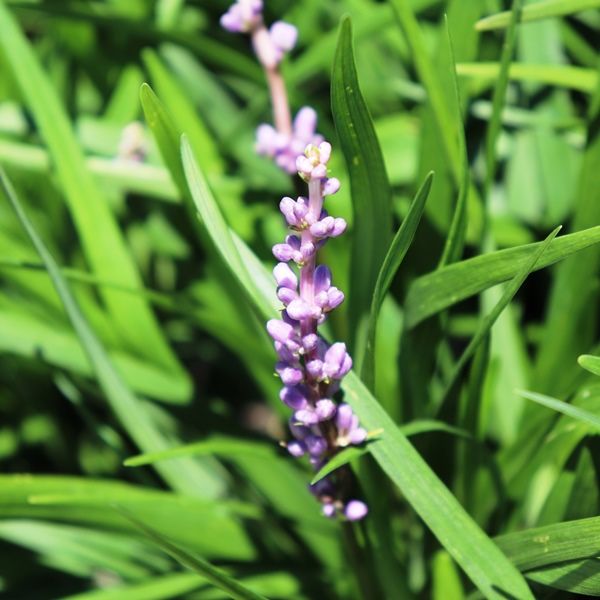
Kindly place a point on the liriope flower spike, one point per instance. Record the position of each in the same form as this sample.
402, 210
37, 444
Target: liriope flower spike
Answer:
309, 368
286, 139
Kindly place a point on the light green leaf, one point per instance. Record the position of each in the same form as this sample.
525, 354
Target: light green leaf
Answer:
546, 9
393, 259
576, 78
563, 407
590, 363
441, 289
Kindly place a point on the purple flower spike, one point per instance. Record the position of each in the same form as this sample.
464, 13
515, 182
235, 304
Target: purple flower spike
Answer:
243, 16
309, 368
356, 510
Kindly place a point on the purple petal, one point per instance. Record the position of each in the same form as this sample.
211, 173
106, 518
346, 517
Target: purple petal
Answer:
285, 277
279, 331
315, 444
324, 152
322, 278
328, 510
343, 418
296, 449
339, 227
331, 186
315, 368
334, 298
286, 295
299, 309
309, 342
358, 435
293, 397
283, 252
305, 125
356, 510
284, 35
306, 417
290, 376
325, 409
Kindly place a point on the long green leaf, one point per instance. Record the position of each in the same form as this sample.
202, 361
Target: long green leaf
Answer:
576, 78
590, 363
441, 289
130, 411
371, 193
533, 548
563, 407
488, 321
577, 577
102, 241
546, 9
216, 576
393, 259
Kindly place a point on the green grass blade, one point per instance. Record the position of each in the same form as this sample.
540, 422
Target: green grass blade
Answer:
436, 291
371, 193
488, 321
429, 77
590, 363
393, 259
477, 555
577, 577
339, 460
455, 241
534, 548
216, 576
546, 9
132, 413
563, 407
101, 239
575, 78
226, 447
498, 99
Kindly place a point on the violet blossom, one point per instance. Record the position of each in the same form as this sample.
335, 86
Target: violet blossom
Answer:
285, 140
310, 369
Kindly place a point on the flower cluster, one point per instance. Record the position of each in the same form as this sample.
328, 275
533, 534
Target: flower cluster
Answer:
284, 141
309, 368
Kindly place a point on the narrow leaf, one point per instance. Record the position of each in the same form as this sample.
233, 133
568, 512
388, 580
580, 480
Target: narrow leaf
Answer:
441, 289
563, 407
371, 193
546, 9
216, 576
393, 259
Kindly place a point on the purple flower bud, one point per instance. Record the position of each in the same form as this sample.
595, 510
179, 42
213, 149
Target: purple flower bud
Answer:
309, 342
285, 277
337, 361
322, 278
315, 369
355, 510
315, 444
268, 141
305, 125
242, 16
289, 374
286, 295
283, 252
300, 309
328, 509
325, 409
280, 331
294, 397
295, 212
312, 165
331, 186
296, 449
283, 36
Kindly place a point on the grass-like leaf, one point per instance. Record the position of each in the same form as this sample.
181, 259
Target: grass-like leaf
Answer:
226, 447
563, 407
577, 577
371, 193
216, 576
488, 321
130, 411
575, 78
441, 289
570, 540
546, 9
393, 259
590, 363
